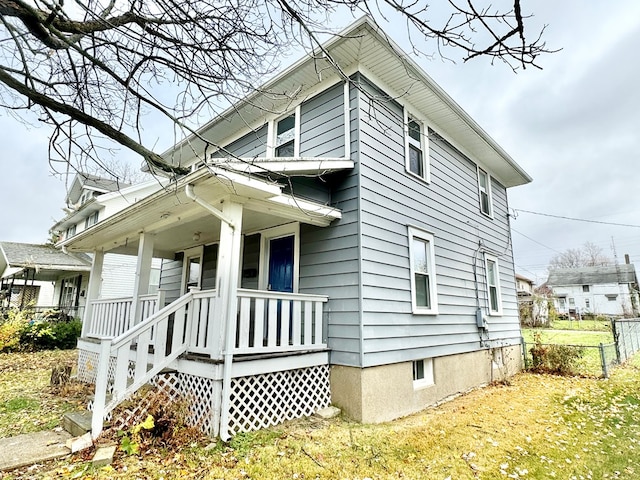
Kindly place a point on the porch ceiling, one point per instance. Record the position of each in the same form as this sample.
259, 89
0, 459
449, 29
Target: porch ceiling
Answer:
174, 219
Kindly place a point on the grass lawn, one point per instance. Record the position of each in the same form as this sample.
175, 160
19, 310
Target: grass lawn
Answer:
568, 337
595, 325
537, 427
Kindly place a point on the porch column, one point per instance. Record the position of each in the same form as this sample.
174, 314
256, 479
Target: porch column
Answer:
93, 290
229, 253
143, 271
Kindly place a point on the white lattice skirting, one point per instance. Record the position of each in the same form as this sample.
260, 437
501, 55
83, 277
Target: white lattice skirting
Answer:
261, 401
257, 401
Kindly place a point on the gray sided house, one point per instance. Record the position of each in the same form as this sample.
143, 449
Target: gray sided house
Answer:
351, 248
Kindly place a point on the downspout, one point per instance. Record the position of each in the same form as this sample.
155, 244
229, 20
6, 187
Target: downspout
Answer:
230, 339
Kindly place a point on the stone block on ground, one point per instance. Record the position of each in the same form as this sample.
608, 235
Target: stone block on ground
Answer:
328, 412
80, 443
104, 456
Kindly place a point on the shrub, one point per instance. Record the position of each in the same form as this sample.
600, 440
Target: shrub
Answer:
555, 359
49, 335
18, 332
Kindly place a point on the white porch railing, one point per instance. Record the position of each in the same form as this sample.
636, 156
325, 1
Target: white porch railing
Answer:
148, 347
270, 322
112, 316
266, 322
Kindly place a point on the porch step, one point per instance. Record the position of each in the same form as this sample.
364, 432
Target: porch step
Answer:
77, 423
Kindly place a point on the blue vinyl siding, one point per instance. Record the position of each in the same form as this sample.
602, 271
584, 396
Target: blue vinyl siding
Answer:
329, 259
322, 124
447, 207
253, 144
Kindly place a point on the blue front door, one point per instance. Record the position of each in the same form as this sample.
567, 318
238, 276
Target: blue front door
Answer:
281, 264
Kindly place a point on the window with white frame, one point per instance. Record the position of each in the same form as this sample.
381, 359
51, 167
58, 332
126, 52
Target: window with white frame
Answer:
484, 189
416, 152
71, 231
91, 220
423, 274
493, 286
285, 133
422, 373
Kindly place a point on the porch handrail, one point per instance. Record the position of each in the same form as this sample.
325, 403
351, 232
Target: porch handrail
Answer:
271, 322
111, 317
153, 351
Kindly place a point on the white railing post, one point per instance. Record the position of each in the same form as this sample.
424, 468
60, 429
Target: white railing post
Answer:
102, 379
93, 290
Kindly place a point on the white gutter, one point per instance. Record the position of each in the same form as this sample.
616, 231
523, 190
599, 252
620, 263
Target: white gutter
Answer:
188, 189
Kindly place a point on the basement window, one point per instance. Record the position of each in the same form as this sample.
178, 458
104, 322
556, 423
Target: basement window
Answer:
422, 373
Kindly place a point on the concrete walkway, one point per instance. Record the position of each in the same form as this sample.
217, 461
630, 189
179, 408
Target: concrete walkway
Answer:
31, 448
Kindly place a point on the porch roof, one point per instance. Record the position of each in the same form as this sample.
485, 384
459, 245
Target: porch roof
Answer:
48, 262
177, 222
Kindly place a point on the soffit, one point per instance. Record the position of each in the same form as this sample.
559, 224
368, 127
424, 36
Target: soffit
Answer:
173, 219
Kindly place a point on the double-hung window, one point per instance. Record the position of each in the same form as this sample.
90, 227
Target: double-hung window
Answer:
484, 188
285, 135
416, 151
91, 220
423, 273
493, 286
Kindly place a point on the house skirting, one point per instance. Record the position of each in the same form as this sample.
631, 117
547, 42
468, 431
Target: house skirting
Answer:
383, 393
263, 392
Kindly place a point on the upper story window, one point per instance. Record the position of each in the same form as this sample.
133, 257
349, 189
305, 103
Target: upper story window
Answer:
484, 188
423, 274
493, 286
71, 231
286, 135
91, 220
416, 152
585, 288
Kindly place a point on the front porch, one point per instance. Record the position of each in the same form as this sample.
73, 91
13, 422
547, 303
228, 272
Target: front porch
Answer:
277, 367
230, 332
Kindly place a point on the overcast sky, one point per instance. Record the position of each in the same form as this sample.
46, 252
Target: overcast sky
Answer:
573, 126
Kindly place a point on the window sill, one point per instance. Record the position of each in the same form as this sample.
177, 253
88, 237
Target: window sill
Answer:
422, 384
419, 311
426, 179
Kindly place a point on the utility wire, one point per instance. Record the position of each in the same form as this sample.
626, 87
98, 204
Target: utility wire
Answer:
577, 219
535, 241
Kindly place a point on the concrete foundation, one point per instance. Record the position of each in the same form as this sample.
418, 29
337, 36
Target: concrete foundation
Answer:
383, 393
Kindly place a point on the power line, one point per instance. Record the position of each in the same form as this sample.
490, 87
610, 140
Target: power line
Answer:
576, 219
535, 241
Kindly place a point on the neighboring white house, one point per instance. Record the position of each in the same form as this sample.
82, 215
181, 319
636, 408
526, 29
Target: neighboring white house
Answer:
92, 199
524, 286
602, 290
41, 277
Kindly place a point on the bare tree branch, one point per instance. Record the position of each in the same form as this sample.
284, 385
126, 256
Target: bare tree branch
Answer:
95, 70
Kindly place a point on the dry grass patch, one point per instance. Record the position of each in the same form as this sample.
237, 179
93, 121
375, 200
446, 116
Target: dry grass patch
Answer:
539, 426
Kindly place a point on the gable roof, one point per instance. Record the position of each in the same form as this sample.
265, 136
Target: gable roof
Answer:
625, 273
363, 47
47, 260
92, 182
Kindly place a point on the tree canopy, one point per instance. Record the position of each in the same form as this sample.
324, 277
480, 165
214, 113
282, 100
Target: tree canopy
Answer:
97, 70
589, 255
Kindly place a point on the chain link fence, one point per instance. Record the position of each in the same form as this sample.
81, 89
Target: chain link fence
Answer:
586, 360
